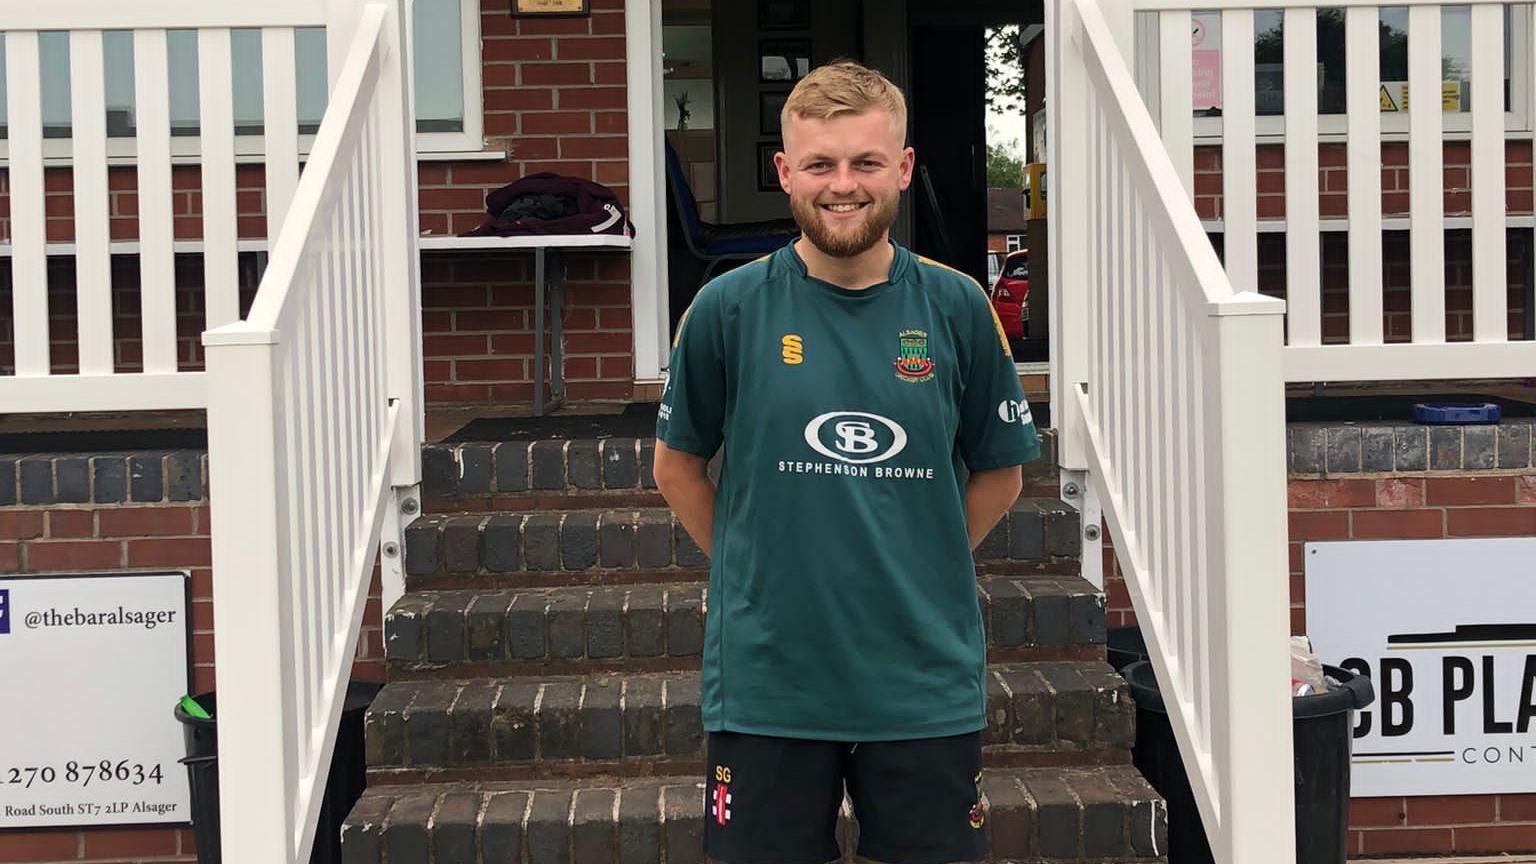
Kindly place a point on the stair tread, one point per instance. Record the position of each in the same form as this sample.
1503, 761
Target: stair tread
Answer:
578, 543
1048, 814
1040, 712
623, 625
485, 471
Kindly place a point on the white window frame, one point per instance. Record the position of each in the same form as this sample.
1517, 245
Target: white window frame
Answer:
430, 146
1270, 129
471, 140
1014, 242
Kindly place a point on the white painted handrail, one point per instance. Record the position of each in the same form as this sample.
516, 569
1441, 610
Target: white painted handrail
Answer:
1171, 407
1365, 350
306, 421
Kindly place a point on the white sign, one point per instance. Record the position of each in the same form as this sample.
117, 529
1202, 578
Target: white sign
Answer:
90, 668
1446, 629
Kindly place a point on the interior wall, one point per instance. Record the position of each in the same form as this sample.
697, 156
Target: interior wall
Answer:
747, 95
948, 106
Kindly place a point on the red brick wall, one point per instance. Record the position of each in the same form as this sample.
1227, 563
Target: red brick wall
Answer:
167, 535
1333, 179
1397, 314
1397, 286
554, 99
1404, 507
123, 202
478, 327
127, 325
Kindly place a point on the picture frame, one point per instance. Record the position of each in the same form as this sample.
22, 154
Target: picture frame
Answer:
782, 61
784, 14
551, 8
767, 172
770, 108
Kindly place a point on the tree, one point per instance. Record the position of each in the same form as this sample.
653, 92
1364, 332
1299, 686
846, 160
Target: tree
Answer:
1005, 69
1005, 170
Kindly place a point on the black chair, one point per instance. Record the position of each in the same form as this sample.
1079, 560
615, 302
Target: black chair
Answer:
935, 223
716, 244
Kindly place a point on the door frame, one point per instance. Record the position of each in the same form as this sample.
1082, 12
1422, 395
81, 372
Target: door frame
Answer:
647, 190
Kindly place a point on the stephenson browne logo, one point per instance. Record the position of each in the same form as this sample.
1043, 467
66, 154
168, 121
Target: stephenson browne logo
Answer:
5, 610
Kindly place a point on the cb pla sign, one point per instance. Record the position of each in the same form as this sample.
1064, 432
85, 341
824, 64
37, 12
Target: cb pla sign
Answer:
1446, 630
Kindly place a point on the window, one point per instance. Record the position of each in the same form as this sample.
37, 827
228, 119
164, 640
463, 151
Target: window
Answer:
1017, 267
1269, 73
447, 82
447, 73
1015, 242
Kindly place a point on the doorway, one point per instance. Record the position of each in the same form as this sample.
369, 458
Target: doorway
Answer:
729, 64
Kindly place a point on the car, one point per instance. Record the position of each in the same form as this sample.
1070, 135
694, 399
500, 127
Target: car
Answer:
1010, 294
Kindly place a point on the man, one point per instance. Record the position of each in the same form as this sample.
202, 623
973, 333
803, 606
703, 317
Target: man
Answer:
873, 425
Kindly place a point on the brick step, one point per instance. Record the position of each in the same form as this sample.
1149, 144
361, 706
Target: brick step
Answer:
580, 545
642, 724
1047, 815
506, 475
657, 627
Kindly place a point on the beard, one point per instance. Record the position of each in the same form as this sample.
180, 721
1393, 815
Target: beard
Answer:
845, 241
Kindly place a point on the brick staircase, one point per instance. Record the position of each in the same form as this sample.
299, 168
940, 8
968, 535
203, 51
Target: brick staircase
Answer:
543, 703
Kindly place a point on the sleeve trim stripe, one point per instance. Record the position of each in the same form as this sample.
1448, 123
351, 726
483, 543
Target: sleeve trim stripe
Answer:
1002, 335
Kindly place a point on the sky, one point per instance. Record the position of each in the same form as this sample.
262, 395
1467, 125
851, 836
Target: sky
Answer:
1005, 126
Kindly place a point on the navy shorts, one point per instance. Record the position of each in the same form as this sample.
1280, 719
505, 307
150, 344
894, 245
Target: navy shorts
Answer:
775, 800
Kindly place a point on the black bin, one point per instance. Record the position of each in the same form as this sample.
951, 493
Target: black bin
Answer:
1124, 646
1322, 726
343, 786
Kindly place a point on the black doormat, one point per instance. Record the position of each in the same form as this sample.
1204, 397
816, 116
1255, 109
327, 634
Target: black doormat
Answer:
637, 420
103, 440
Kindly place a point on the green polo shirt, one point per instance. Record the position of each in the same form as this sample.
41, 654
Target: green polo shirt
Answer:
842, 593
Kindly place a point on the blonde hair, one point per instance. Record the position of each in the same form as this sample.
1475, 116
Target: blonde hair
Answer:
845, 87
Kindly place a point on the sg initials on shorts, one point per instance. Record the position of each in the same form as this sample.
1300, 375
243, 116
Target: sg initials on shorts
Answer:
722, 774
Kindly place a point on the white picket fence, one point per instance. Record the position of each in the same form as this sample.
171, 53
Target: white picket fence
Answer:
98, 386
1170, 368
314, 401
1367, 356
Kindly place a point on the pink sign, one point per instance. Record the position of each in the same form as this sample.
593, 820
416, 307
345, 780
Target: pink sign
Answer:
1207, 78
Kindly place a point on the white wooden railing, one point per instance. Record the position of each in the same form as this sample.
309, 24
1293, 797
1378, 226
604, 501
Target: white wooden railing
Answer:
98, 385
1367, 356
314, 401
1169, 394
313, 422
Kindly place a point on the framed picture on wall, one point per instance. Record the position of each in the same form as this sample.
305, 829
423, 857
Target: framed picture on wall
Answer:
783, 60
784, 14
550, 8
767, 172
770, 108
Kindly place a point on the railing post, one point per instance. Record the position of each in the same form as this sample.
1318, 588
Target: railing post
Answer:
340, 26
1067, 153
1250, 653
401, 258
254, 641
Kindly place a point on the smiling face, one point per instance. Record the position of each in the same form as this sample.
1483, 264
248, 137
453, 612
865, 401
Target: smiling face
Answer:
844, 177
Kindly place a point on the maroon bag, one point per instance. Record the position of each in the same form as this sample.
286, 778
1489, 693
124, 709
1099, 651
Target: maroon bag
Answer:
552, 204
